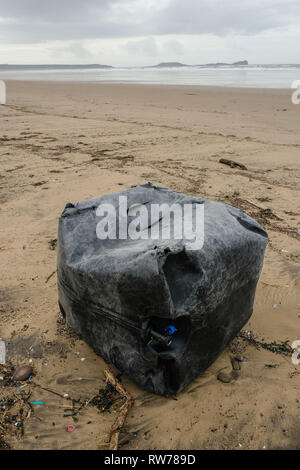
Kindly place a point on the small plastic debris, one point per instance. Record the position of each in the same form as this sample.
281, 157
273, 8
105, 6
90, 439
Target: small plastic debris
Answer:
83, 359
22, 373
170, 330
37, 402
70, 428
276, 305
66, 395
2, 353
104, 400
284, 251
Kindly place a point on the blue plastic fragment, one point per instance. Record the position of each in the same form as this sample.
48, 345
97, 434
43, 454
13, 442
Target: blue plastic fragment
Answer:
37, 402
171, 330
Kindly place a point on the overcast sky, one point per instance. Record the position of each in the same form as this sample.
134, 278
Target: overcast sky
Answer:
144, 32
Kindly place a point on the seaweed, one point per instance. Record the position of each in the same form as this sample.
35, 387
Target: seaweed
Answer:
281, 347
105, 399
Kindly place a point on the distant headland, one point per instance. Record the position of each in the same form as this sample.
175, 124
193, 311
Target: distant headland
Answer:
161, 65
216, 64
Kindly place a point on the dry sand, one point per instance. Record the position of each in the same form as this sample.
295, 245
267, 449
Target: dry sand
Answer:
68, 142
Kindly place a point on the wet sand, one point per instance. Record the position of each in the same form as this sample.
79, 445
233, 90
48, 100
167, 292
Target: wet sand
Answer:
68, 142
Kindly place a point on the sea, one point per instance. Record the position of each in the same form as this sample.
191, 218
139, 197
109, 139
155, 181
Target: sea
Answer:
250, 76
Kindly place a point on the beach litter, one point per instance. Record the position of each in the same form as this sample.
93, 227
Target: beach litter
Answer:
137, 313
105, 399
70, 428
2, 353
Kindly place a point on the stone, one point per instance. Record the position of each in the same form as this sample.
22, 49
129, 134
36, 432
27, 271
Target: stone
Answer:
22, 373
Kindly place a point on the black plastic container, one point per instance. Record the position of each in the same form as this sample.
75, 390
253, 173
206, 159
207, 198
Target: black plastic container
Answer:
159, 311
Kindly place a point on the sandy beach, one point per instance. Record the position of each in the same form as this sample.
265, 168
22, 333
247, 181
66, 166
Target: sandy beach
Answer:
65, 142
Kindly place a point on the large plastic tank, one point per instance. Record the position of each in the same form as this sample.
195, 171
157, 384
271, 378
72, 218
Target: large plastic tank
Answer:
161, 310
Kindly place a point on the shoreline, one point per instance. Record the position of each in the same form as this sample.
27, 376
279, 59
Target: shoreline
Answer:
132, 83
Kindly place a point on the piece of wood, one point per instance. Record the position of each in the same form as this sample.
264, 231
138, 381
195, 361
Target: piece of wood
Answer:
232, 164
49, 277
118, 424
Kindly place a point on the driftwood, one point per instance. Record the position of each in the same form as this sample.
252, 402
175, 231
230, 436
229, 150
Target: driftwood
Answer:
233, 164
118, 424
49, 277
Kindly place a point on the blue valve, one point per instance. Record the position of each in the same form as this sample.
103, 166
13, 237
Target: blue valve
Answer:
170, 330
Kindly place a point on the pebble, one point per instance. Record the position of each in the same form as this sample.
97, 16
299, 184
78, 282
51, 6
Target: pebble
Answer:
235, 364
239, 358
223, 377
23, 373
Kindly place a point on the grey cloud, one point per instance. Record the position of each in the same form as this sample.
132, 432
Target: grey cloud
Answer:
38, 20
54, 10
172, 47
146, 47
79, 51
220, 17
